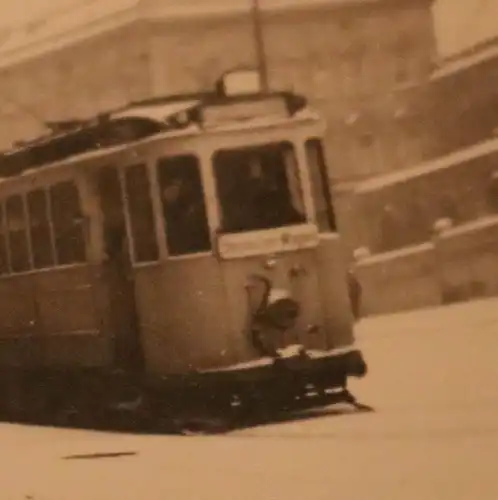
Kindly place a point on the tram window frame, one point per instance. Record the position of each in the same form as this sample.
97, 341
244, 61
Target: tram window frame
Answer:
20, 260
68, 228
41, 234
321, 193
172, 171
144, 240
229, 196
4, 253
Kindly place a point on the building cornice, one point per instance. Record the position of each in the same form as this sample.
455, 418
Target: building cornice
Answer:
40, 37
467, 61
51, 35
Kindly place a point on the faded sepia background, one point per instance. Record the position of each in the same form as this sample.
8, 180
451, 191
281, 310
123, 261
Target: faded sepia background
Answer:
434, 435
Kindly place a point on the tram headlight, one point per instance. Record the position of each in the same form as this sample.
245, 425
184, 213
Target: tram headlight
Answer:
281, 311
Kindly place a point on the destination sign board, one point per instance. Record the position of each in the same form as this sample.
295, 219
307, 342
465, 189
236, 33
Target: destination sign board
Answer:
241, 245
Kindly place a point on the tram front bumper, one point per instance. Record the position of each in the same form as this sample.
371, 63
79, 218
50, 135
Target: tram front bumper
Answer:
344, 362
297, 380
330, 367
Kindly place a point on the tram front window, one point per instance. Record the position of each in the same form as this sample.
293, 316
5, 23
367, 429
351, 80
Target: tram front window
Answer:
184, 208
259, 187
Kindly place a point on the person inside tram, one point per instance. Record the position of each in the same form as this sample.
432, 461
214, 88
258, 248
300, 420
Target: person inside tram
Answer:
185, 214
272, 204
114, 229
114, 234
261, 198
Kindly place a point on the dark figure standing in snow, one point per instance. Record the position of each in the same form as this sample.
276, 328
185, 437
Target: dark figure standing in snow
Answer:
355, 293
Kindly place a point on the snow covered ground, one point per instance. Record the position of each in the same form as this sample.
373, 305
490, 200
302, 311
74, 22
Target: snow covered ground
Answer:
434, 436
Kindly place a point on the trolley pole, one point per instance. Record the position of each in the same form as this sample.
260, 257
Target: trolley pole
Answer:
260, 45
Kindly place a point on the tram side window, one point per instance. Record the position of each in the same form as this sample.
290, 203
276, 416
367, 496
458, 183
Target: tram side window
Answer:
4, 264
67, 221
18, 240
320, 188
41, 241
259, 187
137, 189
184, 208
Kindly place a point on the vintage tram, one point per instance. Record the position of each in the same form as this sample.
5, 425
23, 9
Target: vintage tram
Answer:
177, 257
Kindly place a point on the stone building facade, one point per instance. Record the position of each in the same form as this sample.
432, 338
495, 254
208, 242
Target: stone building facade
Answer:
457, 127
460, 99
355, 59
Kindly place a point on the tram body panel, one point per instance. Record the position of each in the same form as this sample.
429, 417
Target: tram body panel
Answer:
54, 318
18, 335
183, 315
337, 311
244, 295
65, 300
305, 288
74, 316
314, 277
196, 312
56, 312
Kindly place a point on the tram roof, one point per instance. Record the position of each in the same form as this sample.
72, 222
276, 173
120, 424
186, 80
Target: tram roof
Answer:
174, 114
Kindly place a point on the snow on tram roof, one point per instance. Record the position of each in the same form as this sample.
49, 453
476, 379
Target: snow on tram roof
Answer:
161, 118
107, 151
170, 134
156, 112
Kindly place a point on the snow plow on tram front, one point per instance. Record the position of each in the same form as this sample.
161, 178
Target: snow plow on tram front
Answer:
209, 281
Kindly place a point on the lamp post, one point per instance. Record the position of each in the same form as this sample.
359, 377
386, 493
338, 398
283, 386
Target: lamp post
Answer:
260, 45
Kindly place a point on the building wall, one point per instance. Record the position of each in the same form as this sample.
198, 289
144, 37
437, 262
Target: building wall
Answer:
458, 264
454, 124
349, 60
457, 105
467, 102
417, 259
78, 81
400, 210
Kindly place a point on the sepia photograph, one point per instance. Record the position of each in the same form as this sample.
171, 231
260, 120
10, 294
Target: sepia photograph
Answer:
248, 250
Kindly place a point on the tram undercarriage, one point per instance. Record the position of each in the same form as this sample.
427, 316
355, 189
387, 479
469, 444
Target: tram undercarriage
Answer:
207, 402
265, 390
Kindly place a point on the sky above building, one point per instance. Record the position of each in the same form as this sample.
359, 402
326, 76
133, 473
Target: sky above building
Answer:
462, 23
459, 23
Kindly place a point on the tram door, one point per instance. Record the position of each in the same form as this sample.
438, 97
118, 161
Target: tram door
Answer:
118, 269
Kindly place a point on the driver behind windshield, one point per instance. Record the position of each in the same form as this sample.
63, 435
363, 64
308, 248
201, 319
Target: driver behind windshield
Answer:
258, 199
271, 204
